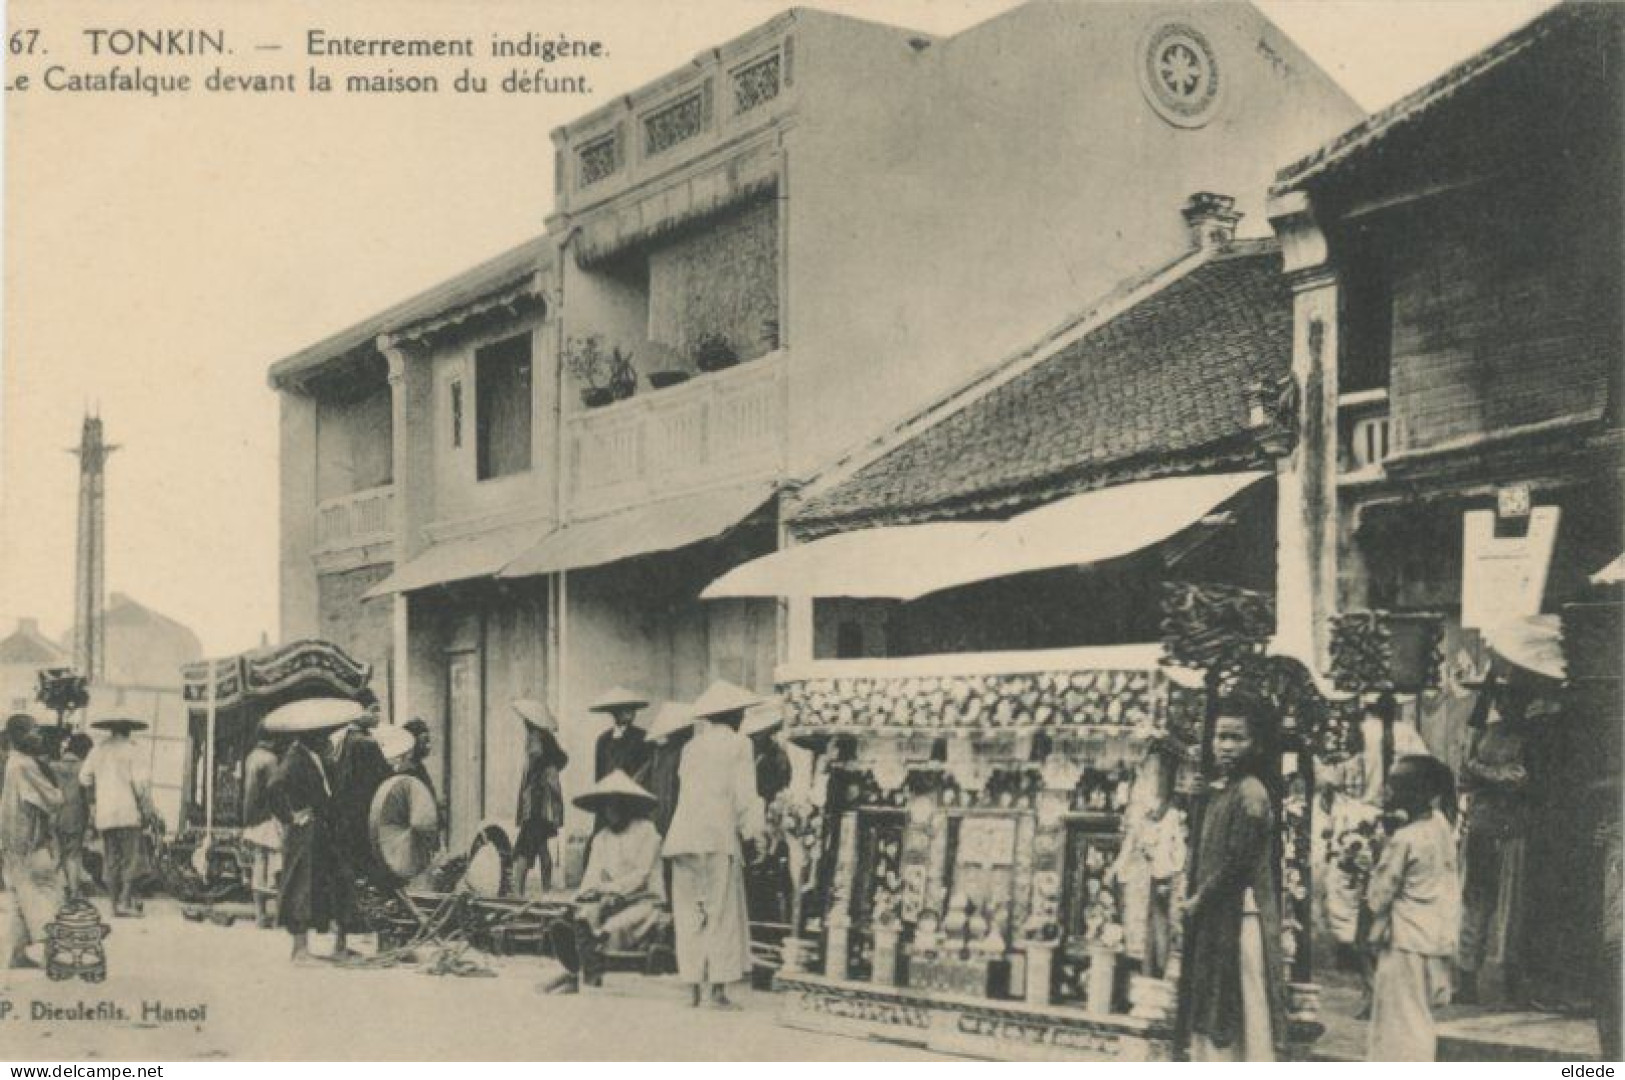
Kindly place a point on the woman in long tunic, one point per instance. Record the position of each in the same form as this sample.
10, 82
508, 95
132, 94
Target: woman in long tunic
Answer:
1236, 1000
540, 814
717, 804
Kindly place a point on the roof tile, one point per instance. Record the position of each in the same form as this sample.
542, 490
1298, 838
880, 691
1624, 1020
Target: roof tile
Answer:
1165, 387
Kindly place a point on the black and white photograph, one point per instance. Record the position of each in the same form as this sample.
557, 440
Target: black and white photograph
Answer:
885, 531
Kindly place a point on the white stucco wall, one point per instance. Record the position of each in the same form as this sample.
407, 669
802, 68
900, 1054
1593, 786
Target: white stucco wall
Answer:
457, 494
949, 205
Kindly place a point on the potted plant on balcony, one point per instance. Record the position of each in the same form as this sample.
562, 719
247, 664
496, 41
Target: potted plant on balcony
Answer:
623, 378
713, 352
666, 367
588, 364
606, 375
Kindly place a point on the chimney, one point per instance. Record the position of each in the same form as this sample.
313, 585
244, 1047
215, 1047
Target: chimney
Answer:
1211, 220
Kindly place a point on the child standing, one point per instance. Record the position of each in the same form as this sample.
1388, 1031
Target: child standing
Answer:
1415, 904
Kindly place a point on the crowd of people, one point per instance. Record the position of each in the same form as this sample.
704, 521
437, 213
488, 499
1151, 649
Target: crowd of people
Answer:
1234, 993
678, 810
678, 813
61, 794
678, 816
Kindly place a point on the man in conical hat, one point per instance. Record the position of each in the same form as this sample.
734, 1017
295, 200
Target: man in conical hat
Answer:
623, 745
717, 807
117, 779
540, 812
314, 893
621, 902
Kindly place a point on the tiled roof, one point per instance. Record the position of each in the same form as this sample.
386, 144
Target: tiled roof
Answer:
1168, 386
514, 265
1564, 22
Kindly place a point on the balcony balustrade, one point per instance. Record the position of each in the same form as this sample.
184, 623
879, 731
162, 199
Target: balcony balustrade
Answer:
358, 519
719, 427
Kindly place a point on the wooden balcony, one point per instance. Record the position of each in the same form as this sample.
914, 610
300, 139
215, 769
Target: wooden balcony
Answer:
1366, 435
719, 427
359, 519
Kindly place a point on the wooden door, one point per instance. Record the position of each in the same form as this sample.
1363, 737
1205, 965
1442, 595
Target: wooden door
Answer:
465, 750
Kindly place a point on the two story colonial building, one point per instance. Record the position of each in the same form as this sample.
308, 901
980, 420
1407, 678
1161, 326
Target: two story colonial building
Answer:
761, 260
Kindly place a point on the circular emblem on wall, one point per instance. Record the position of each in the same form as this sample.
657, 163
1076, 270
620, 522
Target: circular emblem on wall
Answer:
1179, 75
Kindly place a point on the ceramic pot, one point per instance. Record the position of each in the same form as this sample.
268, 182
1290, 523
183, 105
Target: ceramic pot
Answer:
662, 379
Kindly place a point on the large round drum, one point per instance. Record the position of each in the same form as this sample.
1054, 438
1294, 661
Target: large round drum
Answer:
405, 826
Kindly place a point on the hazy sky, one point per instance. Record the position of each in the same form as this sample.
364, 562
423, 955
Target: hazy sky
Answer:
160, 255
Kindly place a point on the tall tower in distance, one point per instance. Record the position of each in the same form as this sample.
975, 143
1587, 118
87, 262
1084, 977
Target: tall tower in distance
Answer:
90, 555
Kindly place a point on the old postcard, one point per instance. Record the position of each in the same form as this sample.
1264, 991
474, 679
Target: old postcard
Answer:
891, 530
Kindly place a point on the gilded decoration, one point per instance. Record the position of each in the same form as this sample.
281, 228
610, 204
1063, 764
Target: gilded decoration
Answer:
1049, 699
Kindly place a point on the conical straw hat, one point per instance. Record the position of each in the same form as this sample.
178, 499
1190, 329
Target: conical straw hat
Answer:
395, 742
534, 713
671, 718
618, 697
312, 714
120, 723
617, 785
724, 697
768, 716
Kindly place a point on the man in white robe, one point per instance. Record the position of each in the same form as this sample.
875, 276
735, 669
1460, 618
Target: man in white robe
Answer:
717, 806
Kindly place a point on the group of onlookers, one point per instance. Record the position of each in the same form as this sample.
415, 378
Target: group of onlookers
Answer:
59, 790
665, 861
683, 845
1235, 995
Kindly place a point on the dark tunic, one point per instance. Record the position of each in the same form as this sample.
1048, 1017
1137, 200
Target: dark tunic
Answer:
420, 771
1234, 855
663, 780
258, 772
772, 768
312, 882
358, 768
630, 753
540, 814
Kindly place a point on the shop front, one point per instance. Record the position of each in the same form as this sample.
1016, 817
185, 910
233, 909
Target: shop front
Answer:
1005, 840
1003, 832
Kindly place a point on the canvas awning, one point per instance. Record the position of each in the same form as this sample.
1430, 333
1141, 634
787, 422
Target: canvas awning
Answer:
1534, 644
908, 561
641, 530
460, 559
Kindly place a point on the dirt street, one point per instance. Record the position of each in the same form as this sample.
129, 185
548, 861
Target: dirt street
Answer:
256, 1006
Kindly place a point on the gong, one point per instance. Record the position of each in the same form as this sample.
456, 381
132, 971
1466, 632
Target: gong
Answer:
405, 826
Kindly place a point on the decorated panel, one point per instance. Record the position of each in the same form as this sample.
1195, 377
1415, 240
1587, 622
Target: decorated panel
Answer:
948, 702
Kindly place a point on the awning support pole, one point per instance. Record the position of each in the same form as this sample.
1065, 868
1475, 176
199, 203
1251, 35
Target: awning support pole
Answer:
208, 756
